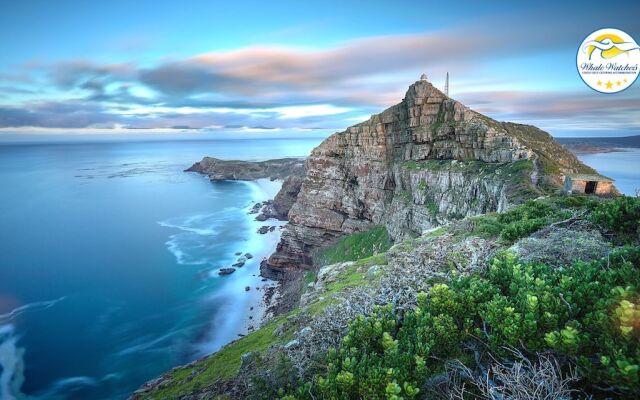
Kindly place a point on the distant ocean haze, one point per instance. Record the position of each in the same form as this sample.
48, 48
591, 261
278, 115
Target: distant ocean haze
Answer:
109, 253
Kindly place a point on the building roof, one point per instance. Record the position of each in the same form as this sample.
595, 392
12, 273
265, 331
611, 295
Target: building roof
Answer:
589, 177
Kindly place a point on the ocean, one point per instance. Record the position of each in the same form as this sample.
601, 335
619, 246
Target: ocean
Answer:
109, 253
108, 260
623, 166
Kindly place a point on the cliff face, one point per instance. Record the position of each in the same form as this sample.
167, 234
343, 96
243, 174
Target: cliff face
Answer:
420, 163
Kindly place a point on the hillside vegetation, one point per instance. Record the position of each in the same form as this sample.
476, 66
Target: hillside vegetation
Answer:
541, 301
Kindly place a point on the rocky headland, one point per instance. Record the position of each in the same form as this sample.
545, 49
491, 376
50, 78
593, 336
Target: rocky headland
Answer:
591, 145
419, 164
388, 213
217, 169
289, 170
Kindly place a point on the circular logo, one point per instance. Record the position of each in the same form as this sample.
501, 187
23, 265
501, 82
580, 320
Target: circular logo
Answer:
608, 60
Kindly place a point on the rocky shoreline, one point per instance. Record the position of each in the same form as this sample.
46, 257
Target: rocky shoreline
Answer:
273, 213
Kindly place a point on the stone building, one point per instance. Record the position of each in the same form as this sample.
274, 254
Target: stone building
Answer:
589, 184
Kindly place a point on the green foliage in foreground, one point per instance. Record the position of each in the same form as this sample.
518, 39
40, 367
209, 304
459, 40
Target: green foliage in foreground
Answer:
588, 313
354, 247
620, 216
520, 221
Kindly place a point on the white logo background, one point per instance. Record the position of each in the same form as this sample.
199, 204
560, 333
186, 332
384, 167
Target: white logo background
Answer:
610, 64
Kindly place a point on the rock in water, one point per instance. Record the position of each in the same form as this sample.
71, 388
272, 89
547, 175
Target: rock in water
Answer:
396, 170
226, 271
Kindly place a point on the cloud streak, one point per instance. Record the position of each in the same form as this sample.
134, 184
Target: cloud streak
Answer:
284, 86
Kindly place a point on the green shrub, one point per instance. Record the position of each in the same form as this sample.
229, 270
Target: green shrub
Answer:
620, 216
523, 228
528, 218
588, 313
530, 210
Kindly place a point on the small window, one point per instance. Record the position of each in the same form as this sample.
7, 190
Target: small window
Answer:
590, 187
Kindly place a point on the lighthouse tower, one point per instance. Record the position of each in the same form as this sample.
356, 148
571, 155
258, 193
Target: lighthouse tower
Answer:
446, 85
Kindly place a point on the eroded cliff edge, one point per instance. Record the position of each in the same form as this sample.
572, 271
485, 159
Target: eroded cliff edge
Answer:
421, 163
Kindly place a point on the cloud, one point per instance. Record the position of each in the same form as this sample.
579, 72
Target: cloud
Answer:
71, 73
333, 87
560, 110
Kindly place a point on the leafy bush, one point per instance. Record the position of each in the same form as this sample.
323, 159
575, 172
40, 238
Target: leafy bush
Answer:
588, 313
520, 221
519, 229
620, 216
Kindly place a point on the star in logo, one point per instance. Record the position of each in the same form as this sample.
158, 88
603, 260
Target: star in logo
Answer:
609, 85
599, 83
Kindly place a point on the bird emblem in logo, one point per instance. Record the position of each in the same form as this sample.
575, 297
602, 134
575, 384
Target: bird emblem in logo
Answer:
608, 46
608, 60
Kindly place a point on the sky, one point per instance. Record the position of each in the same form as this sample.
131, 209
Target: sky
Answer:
253, 67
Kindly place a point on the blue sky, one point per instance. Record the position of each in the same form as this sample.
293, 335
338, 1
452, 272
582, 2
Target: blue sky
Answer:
251, 67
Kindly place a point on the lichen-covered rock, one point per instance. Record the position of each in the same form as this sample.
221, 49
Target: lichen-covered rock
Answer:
399, 169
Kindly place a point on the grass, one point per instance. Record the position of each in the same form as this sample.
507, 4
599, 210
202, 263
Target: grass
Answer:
222, 365
354, 247
352, 276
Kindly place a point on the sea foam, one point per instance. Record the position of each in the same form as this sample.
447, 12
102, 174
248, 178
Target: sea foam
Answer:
12, 363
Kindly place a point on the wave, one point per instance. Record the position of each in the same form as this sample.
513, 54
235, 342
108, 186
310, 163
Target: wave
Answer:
63, 387
199, 236
11, 363
40, 305
12, 356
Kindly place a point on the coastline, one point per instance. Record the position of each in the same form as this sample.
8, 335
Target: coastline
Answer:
242, 311
264, 189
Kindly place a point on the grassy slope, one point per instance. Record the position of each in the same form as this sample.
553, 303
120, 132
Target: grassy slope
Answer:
224, 364
355, 247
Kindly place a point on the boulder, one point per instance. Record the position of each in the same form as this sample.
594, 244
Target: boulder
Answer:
226, 271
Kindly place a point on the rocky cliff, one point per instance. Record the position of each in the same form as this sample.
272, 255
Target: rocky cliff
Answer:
418, 164
290, 170
217, 169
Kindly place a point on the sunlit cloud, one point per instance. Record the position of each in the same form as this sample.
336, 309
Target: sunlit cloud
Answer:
285, 87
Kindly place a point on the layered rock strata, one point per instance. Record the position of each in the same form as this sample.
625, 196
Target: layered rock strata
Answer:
418, 164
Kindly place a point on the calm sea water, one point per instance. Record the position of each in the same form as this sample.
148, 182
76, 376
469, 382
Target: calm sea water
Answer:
623, 166
107, 260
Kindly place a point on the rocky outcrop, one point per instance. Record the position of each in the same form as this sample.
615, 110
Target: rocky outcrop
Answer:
217, 169
287, 196
423, 162
290, 170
